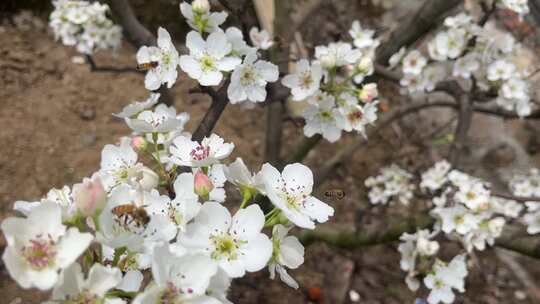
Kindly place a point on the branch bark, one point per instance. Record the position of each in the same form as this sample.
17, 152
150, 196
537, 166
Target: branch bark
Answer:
464, 124
219, 102
352, 240
422, 22
276, 106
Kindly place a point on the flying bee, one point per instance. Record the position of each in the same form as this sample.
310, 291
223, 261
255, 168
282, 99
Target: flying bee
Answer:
131, 213
335, 193
147, 66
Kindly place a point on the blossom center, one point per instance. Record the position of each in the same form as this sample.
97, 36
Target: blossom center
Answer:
248, 76
200, 153
207, 63
40, 253
355, 116
226, 247
306, 80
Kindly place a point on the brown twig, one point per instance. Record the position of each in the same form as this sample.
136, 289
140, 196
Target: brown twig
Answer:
276, 106
108, 69
420, 23
219, 102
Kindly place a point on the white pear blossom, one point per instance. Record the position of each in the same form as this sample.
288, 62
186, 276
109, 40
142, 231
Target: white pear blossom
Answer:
413, 245
305, 81
414, 63
62, 197
179, 277
362, 37
208, 59
238, 44
185, 205
451, 43
288, 252
337, 54
435, 177
500, 70
521, 7
199, 17
392, 183
515, 88
235, 243
465, 66
133, 109
486, 233
322, 118
249, 79
72, 287
239, 175
119, 166
444, 278
260, 39
219, 286
456, 218
162, 120
474, 195
211, 150
39, 246
532, 221
85, 25
162, 61
131, 220
354, 116
290, 191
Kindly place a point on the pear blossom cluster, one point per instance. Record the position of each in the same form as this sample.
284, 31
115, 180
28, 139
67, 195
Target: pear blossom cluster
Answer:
215, 56
521, 7
155, 208
528, 185
333, 86
469, 53
464, 210
85, 25
392, 184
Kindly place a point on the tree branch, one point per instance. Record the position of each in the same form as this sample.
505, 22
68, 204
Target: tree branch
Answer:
108, 69
276, 106
137, 34
463, 125
351, 240
219, 102
422, 22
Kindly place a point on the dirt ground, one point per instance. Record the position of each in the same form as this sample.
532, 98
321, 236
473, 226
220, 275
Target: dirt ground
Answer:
55, 117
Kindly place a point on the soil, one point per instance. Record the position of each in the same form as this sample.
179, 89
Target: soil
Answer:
55, 117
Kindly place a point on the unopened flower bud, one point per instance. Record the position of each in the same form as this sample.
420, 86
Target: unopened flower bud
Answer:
201, 6
328, 61
365, 66
368, 92
203, 185
139, 143
148, 179
89, 196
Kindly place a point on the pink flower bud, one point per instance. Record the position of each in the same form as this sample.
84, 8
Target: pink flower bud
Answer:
203, 184
89, 196
139, 143
368, 92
